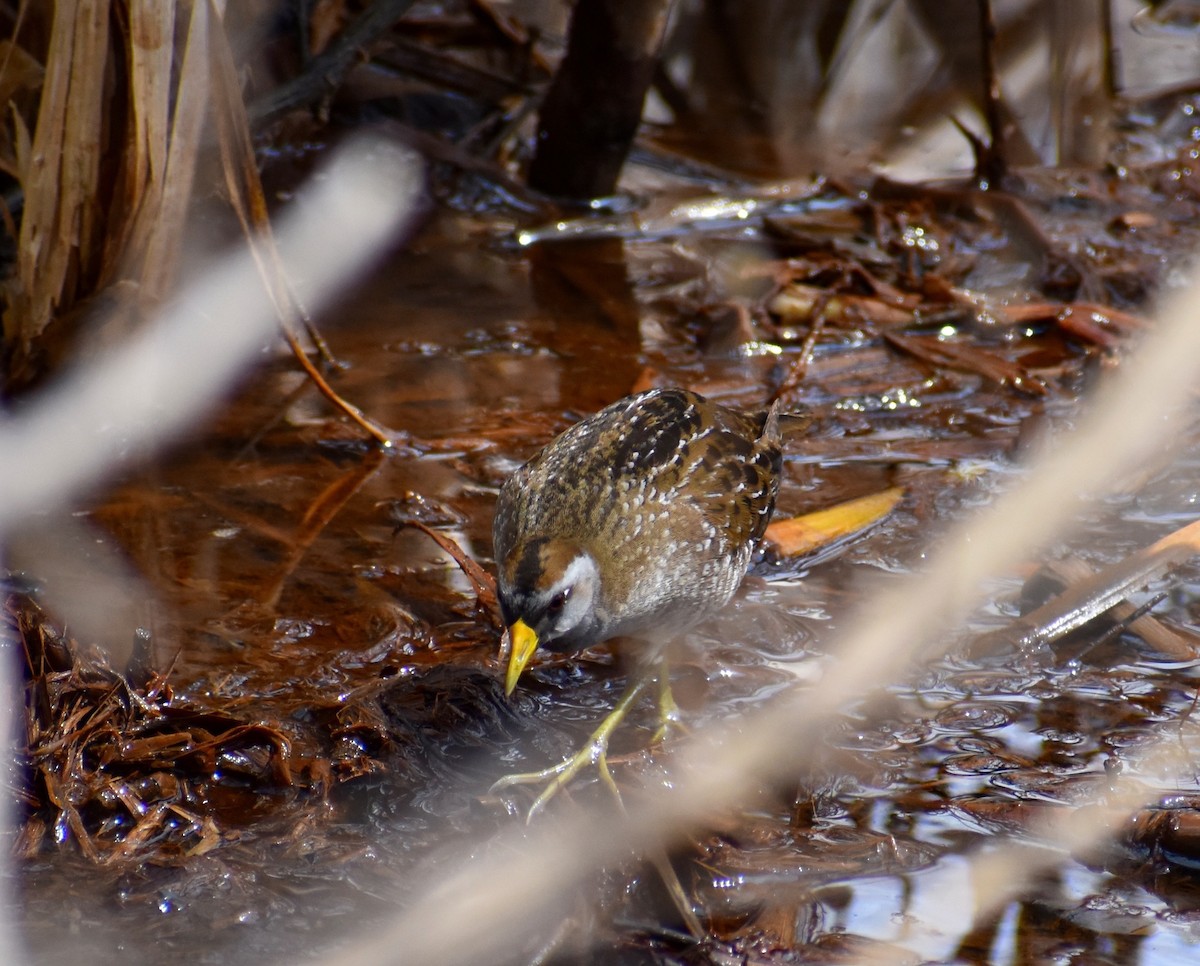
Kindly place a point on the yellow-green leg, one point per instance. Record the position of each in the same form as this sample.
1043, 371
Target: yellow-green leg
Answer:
594, 752
669, 715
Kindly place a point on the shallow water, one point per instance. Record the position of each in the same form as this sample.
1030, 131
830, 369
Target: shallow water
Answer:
266, 559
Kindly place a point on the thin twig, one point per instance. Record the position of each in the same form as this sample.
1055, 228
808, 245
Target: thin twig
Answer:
798, 370
323, 72
485, 585
1090, 598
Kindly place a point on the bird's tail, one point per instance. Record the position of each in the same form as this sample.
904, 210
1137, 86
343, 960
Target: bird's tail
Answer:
779, 424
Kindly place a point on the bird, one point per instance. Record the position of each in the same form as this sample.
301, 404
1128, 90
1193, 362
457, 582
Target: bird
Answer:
634, 525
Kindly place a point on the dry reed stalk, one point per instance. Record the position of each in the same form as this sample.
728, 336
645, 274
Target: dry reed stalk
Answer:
59, 171
164, 233
81, 232
71, 244
151, 59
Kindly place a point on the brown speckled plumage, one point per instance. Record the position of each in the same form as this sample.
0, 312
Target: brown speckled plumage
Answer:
659, 500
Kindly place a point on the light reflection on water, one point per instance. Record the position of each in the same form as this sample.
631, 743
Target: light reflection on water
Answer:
481, 365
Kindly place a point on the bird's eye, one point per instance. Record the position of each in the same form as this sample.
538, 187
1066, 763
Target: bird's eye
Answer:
557, 602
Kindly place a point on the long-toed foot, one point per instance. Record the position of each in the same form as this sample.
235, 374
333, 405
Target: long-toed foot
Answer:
594, 752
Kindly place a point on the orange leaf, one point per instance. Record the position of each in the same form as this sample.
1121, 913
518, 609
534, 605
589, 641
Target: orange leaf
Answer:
810, 532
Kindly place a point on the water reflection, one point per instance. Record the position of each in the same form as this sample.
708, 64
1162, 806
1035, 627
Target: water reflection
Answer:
283, 587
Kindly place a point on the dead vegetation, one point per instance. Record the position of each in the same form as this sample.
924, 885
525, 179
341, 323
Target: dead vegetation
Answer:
118, 769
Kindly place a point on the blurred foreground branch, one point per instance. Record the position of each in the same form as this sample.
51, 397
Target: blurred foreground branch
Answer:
158, 383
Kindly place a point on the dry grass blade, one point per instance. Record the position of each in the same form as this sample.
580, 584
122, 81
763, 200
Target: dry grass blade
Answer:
107, 176
1055, 580
18, 71
246, 194
151, 34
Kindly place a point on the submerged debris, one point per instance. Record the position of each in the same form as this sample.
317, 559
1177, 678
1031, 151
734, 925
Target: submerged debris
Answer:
115, 766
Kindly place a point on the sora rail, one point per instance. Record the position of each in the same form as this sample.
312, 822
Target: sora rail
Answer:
636, 523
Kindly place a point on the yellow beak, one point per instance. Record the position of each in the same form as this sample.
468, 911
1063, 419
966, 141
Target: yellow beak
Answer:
524, 641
